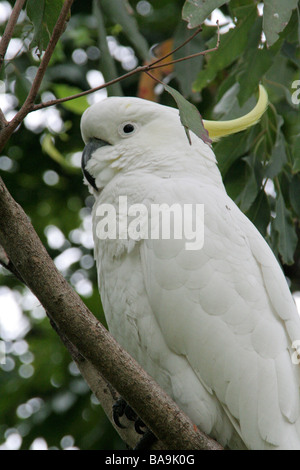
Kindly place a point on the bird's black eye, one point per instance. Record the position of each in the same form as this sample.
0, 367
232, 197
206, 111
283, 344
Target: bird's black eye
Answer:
128, 128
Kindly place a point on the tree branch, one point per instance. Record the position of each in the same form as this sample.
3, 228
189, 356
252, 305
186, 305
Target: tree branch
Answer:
89, 337
142, 68
29, 106
3, 121
104, 392
29, 102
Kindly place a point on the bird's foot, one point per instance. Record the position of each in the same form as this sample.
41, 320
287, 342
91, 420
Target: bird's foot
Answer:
121, 408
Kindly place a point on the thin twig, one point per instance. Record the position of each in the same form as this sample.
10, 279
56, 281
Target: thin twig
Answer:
46, 104
29, 105
154, 78
189, 39
7, 35
139, 69
191, 56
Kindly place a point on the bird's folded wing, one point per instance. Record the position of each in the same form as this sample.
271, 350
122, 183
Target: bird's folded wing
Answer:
228, 310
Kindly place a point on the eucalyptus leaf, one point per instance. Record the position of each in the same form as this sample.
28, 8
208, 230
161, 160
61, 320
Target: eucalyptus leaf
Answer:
229, 149
277, 14
196, 11
231, 46
259, 212
43, 14
296, 155
287, 237
294, 193
189, 116
250, 189
278, 157
229, 108
256, 63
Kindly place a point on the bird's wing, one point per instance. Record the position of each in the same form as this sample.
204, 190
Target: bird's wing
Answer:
227, 309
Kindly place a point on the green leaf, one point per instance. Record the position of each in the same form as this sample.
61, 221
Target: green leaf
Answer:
229, 108
276, 16
189, 115
196, 11
229, 149
232, 45
43, 14
278, 157
77, 105
241, 182
250, 189
259, 213
238, 8
296, 154
119, 11
294, 193
287, 237
256, 62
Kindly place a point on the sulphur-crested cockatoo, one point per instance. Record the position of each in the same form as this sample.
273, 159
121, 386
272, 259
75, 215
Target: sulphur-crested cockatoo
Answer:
212, 322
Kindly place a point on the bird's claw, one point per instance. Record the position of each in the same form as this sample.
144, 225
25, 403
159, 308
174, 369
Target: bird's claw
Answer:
120, 408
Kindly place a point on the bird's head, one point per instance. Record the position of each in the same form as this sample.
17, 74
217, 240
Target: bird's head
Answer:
131, 134
128, 134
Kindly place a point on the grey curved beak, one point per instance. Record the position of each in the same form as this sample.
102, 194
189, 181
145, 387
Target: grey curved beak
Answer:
92, 145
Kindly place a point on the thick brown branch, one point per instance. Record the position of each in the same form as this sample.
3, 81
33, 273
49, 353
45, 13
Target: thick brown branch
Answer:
7, 35
3, 121
91, 339
105, 393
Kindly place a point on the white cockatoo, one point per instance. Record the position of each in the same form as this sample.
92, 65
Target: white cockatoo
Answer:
214, 326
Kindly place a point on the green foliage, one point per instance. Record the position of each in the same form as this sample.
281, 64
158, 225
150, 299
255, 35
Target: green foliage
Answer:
78, 105
231, 47
120, 13
276, 16
42, 394
196, 11
189, 116
43, 14
287, 238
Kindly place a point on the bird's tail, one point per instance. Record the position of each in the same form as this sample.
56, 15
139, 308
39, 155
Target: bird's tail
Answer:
218, 129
